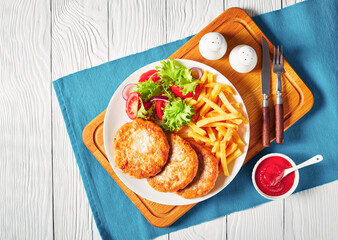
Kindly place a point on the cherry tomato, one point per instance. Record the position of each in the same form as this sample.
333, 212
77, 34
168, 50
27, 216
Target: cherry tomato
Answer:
152, 74
132, 105
178, 91
160, 105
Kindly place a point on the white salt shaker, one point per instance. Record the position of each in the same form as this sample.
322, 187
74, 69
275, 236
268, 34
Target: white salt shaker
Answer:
213, 46
243, 58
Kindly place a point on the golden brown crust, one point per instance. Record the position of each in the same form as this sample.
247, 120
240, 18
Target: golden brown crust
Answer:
141, 148
180, 169
206, 176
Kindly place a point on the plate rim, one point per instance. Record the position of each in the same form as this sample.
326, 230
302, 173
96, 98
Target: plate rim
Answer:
184, 201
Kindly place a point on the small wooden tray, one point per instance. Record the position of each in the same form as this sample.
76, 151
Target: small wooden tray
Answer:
238, 28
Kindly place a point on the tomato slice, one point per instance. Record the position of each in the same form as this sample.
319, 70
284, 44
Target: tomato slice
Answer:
152, 74
178, 91
160, 105
132, 105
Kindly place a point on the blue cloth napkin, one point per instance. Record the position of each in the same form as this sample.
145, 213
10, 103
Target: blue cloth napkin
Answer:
308, 32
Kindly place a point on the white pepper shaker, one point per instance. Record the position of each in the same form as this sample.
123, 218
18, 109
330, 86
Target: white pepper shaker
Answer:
243, 58
213, 46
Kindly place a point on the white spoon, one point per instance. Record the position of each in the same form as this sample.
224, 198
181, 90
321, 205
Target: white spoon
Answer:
313, 160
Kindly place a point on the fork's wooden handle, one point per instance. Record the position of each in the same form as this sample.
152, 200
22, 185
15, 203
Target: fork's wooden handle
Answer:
266, 127
279, 123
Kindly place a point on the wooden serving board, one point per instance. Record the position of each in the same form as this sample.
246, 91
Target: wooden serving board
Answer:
238, 28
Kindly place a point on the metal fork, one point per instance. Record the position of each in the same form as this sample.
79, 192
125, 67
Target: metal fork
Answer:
278, 70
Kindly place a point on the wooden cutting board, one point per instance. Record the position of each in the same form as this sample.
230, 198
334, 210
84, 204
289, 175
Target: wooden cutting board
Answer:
238, 28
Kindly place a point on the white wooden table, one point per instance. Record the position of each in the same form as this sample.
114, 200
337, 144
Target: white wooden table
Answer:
41, 192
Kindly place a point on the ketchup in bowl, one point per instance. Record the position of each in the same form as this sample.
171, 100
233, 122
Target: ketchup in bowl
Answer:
267, 176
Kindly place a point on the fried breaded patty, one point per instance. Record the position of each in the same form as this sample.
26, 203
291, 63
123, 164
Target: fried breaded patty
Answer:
180, 169
206, 176
141, 148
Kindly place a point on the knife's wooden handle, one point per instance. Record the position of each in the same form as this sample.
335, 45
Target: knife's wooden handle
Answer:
279, 123
266, 127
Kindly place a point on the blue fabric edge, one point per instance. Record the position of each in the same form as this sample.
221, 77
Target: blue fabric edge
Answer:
83, 173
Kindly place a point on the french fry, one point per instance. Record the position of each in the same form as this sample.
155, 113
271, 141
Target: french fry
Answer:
203, 92
213, 96
234, 155
236, 121
217, 122
219, 135
211, 78
198, 105
238, 140
221, 117
200, 102
211, 113
223, 86
227, 103
204, 110
204, 76
222, 130
198, 130
211, 143
236, 105
215, 148
224, 158
214, 93
211, 134
228, 135
198, 137
224, 108
245, 121
224, 124
213, 105
192, 101
231, 148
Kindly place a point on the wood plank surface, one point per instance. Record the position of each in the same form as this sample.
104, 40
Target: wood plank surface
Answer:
286, 3
185, 18
135, 26
35, 148
25, 122
254, 7
215, 229
79, 41
260, 222
312, 214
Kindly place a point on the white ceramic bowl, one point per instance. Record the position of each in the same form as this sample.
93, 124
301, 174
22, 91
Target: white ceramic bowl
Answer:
295, 182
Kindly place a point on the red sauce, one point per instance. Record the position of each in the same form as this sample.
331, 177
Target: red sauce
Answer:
268, 174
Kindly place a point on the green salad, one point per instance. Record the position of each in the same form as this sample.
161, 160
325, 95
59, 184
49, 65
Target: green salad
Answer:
161, 94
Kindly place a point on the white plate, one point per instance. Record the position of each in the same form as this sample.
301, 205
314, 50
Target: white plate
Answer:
116, 117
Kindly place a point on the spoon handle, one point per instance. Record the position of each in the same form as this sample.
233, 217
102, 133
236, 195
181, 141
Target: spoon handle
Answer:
315, 159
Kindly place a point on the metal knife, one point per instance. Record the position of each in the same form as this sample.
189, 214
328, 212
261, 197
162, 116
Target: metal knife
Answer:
265, 80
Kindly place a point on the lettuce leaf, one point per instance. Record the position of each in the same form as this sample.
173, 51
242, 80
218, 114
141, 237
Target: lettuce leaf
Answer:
174, 73
143, 113
149, 89
176, 114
